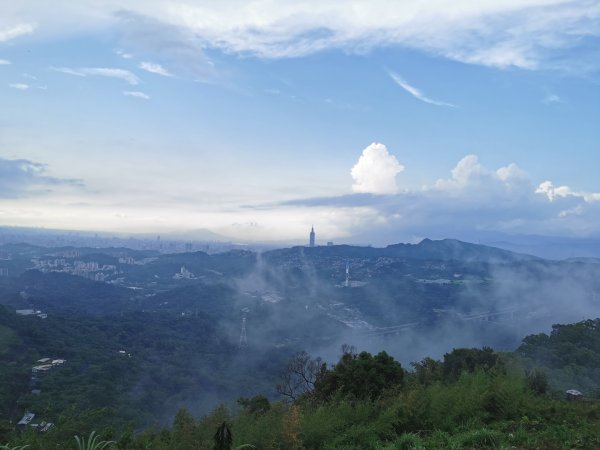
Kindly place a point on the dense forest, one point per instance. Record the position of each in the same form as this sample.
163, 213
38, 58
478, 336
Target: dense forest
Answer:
471, 398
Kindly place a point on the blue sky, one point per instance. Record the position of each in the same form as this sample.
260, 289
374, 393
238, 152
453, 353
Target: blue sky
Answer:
374, 121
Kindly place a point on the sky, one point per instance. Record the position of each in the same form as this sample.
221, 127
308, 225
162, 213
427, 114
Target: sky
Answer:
374, 122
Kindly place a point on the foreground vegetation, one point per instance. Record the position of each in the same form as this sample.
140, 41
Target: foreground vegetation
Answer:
473, 398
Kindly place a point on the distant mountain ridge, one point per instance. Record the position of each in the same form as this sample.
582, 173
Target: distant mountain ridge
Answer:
453, 249
427, 249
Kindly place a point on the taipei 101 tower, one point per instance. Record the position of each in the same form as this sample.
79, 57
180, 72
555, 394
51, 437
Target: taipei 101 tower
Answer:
311, 242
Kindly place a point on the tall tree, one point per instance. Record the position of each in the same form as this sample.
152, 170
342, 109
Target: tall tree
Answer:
223, 438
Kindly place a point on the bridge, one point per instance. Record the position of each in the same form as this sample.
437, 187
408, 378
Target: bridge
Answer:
482, 315
403, 327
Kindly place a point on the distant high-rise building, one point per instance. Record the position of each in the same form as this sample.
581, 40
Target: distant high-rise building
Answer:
311, 242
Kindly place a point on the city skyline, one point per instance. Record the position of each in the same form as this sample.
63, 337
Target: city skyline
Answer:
376, 124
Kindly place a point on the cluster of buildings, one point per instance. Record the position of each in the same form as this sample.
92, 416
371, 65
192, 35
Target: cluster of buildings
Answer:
50, 238
43, 366
47, 364
48, 265
29, 420
31, 312
131, 261
184, 273
91, 270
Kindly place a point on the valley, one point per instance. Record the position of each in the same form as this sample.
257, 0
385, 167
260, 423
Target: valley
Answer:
158, 331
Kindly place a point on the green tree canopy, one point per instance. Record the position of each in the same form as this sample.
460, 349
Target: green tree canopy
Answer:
468, 360
361, 376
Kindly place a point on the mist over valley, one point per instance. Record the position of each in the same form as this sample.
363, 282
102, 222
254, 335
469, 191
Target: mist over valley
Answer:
195, 329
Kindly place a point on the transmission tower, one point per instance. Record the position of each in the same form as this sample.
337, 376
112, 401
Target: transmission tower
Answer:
243, 337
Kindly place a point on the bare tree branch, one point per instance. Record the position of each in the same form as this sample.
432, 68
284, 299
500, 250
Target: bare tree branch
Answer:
299, 376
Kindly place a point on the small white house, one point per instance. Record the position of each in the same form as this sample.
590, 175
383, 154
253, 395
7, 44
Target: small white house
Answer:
27, 418
573, 394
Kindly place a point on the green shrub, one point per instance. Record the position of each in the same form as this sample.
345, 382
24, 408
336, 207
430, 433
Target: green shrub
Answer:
507, 397
408, 442
452, 406
479, 439
537, 381
92, 443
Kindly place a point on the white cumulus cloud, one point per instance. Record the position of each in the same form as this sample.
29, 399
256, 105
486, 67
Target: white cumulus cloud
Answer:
4, 62
376, 170
548, 189
470, 174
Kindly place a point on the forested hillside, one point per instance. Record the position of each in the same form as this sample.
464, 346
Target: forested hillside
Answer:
472, 398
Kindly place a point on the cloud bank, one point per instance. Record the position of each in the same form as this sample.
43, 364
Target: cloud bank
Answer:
22, 178
528, 34
473, 200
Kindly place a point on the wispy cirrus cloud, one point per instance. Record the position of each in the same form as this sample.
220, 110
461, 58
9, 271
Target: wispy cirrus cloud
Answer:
4, 62
179, 47
14, 31
122, 74
109, 72
69, 71
551, 98
137, 94
27, 86
20, 86
155, 69
123, 54
415, 92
